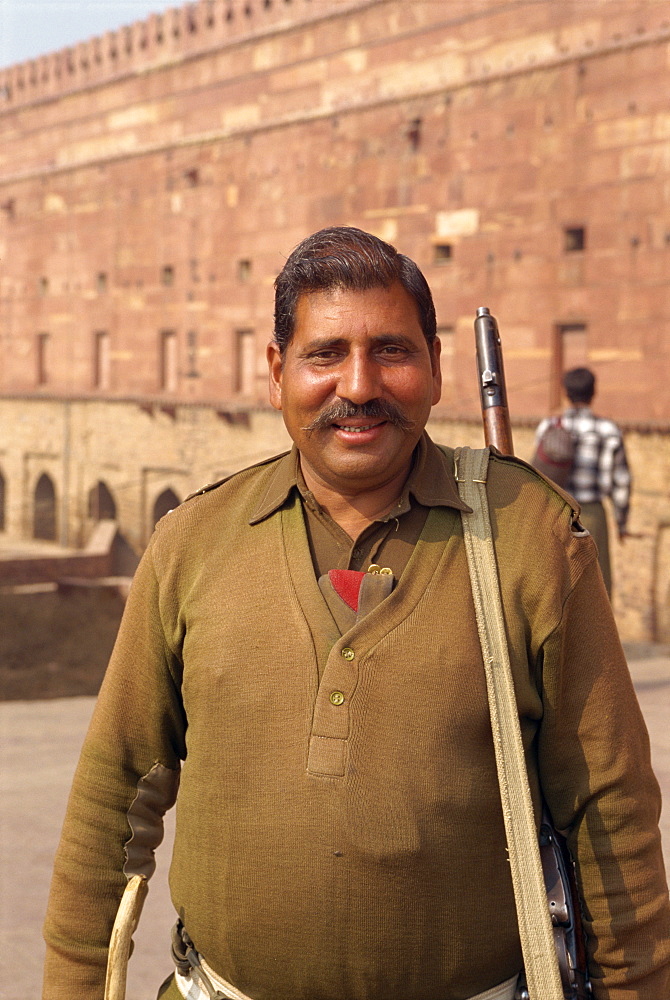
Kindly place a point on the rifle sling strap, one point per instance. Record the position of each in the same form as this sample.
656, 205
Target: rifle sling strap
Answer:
535, 930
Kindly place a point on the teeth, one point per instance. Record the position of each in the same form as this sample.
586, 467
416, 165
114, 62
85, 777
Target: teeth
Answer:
357, 430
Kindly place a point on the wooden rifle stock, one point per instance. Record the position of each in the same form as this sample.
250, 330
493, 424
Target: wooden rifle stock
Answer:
557, 864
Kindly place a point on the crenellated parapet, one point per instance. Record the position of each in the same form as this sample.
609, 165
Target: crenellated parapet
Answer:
174, 35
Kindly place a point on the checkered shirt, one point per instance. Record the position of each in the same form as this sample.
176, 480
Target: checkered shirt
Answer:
600, 467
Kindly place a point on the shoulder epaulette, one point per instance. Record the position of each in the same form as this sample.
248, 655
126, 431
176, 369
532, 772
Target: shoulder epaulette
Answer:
563, 494
220, 482
207, 488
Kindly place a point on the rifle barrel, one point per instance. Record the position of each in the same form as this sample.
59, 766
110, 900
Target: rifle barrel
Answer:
491, 378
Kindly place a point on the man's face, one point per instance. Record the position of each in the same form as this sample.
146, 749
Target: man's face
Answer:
349, 349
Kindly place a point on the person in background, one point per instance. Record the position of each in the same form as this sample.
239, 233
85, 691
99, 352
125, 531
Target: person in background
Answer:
599, 467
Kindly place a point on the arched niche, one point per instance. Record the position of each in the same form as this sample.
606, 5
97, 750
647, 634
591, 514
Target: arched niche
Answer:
44, 509
164, 502
101, 503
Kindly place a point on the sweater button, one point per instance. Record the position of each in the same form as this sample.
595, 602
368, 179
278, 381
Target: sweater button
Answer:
336, 697
348, 653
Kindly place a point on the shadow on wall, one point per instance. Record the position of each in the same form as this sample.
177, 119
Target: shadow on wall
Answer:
661, 584
56, 636
124, 557
55, 643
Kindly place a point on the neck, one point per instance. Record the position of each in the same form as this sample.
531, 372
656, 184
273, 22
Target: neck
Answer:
355, 510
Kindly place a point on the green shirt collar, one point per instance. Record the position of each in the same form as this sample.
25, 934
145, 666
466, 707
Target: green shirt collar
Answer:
431, 482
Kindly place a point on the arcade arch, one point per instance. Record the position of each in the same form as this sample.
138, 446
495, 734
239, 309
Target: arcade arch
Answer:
44, 509
165, 501
101, 503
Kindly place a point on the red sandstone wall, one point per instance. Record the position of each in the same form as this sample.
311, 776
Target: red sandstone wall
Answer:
488, 127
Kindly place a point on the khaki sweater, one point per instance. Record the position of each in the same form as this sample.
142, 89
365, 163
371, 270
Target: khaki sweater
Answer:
356, 851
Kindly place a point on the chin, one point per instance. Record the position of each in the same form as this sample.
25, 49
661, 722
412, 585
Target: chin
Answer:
361, 469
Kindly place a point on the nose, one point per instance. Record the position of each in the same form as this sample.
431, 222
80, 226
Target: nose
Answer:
359, 379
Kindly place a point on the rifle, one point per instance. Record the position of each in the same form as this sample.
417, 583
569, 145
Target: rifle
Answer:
558, 866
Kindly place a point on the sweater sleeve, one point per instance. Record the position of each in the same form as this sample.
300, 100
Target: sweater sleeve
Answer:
597, 779
137, 732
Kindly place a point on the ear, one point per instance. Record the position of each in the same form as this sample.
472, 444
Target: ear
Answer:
436, 368
275, 368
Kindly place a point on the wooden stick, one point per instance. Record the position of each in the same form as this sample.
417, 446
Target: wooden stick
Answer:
126, 921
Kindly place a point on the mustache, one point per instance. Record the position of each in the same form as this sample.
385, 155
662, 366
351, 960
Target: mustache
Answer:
380, 409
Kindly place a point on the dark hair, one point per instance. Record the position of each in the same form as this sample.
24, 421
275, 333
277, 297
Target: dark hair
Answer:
580, 385
345, 257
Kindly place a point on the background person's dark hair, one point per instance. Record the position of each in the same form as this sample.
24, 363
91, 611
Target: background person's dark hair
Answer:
345, 257
579, 385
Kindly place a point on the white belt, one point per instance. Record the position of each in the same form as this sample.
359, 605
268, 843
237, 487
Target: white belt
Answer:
504, 991
190, 989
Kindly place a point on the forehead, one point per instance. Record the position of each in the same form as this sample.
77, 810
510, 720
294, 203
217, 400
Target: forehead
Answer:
343, 312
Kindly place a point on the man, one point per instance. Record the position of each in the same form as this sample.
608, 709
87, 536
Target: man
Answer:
300, 640
599, 467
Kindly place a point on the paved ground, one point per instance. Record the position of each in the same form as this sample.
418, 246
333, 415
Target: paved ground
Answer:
39, 745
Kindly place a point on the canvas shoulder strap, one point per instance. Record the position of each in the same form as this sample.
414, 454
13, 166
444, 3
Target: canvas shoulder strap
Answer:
535, 930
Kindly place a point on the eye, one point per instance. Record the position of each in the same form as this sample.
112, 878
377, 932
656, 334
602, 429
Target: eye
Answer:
325, 356
392, 351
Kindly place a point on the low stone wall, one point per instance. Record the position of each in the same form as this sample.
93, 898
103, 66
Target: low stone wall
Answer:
95, 561
55, 643
45, 568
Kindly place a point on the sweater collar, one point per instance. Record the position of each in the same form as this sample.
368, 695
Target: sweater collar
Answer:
431, 482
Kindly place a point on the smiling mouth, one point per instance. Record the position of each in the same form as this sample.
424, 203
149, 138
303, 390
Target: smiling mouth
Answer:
357, 430
377, 411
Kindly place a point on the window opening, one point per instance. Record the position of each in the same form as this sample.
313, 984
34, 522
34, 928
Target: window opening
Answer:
575, 239
192, 343
101, 360
414, 133
168, 361
42, 345
443, 253
245, 363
